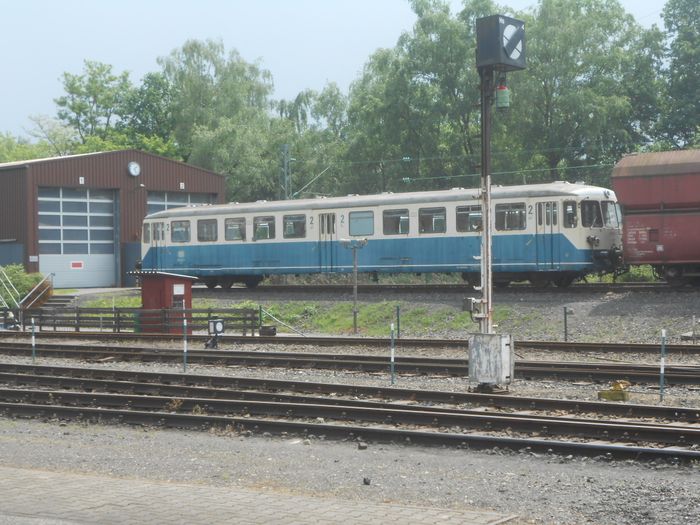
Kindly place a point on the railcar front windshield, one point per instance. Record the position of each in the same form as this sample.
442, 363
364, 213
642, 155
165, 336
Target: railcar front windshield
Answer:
611, 214
591, 216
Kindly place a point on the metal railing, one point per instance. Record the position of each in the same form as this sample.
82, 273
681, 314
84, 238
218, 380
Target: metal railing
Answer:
10, 290
47, 289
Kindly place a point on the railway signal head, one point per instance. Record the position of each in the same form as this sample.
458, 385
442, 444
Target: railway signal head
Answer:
500, 43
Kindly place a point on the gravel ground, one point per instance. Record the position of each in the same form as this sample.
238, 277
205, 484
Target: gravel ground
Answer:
540, 488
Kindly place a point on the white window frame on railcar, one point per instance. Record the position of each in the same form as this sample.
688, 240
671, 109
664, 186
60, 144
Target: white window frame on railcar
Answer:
180, 231
396, 222
294, 226
264, 227
468, 218
361, 223
207, 230
432, 220
232, 225
511, 216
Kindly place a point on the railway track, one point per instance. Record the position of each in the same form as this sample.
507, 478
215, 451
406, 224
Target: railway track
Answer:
675, 375
558, 346
277, 407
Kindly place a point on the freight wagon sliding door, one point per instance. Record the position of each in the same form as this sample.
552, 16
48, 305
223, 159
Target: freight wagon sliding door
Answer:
546, 237
326, 242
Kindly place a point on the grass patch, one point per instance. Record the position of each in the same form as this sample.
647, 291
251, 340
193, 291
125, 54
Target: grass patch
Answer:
636, 274
373, 319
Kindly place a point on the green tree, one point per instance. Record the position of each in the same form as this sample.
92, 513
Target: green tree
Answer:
414, 113
93, 99
314, 125
579, 101
210, 88
682, 111
17, 148
59, 139
147, 109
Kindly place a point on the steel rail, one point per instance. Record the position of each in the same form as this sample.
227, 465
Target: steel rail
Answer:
558, 346
339, 431
223, 386
455, 367
381, 413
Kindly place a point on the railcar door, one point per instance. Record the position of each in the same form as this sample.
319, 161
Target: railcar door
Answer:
547, 242
326, 242
158, 245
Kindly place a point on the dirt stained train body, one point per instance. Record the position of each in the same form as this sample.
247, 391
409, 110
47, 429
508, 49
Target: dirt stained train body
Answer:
544, 233
660, 196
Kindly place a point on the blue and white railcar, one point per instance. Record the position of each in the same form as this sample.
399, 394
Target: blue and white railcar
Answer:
544, 233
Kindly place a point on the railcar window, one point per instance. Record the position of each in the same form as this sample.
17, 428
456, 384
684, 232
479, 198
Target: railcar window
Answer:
547, 213
234, 229
158, 231
511, 216
206, 230
361, 223
263, 228
610, 214
180, 231
395, 222
146, 233
570, 215
590, 214
431, 220
468, 218
294, 226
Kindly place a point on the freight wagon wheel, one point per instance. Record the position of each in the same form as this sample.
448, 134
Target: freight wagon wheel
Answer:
226, 282
210, 283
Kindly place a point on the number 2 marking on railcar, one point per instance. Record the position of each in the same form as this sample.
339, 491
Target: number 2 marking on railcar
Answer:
342, 219
529, 209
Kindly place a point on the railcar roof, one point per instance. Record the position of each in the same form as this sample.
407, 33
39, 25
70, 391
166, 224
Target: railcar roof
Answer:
658, 164
553, 189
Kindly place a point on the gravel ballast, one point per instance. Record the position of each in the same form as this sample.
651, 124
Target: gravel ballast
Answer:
540, 488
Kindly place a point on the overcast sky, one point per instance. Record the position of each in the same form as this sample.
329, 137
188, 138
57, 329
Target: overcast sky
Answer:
303, 43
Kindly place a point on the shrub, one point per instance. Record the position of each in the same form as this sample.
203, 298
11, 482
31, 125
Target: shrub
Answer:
23, 281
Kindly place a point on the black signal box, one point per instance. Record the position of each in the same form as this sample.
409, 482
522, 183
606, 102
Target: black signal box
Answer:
500, 43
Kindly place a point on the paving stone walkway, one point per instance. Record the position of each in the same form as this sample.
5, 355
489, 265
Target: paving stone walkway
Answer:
34, 497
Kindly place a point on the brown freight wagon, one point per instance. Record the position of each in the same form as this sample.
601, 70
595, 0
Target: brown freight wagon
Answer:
660, 198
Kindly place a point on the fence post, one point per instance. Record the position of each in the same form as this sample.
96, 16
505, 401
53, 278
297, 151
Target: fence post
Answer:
398, 321
33, 342
662, 366
77, 319
393, 349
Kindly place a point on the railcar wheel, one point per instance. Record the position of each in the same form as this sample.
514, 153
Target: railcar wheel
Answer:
563, 282
226, 283
539, 282
252, 282
210, 283
472, 279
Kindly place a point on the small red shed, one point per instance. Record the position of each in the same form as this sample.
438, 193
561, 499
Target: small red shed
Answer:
162, 295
